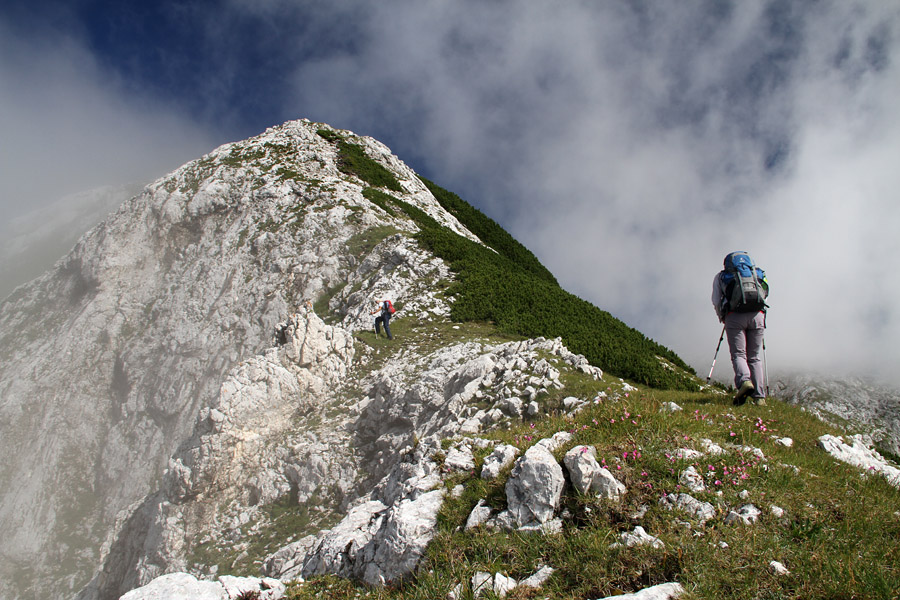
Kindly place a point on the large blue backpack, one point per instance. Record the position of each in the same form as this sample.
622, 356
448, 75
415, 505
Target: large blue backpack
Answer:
744, 283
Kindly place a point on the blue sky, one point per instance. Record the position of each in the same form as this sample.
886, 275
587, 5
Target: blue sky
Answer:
630, 145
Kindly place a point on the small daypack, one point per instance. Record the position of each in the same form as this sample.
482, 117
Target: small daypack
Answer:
745, 284
389, 306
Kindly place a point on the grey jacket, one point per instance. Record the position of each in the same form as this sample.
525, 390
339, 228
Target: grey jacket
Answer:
718, 296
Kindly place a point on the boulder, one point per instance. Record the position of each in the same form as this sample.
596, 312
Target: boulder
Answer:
479, 515
182, 586
745, 515
588, 477
503, 585
460, 458
538, 579
500, 585
514, 407
776, 568
687, 454
245, 587
638, 537
177, 586
535, 486
710, 447
556, 441
499, 459
702, 511
335, 551
860, 455
692, 480
482, 582
573, 405
396, 549
287, 562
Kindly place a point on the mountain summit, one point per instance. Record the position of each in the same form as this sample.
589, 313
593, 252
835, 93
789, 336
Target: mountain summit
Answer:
197, 355
195, 397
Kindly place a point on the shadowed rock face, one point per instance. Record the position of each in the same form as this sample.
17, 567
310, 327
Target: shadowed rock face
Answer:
109, 358
851, 400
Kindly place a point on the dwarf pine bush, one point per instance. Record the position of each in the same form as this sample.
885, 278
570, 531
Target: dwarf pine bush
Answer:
353, 160
508, 286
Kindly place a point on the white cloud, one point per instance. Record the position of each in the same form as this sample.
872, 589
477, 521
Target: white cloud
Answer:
630, 145
632, 148
69, 126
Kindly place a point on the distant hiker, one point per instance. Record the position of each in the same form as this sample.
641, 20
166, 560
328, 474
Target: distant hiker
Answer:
739, 297
386, 308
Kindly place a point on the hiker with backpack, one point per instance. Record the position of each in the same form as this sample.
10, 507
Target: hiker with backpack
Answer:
386, 308
739, 297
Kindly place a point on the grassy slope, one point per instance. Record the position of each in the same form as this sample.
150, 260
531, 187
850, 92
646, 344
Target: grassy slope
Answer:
840, 533
839, 536
511, 288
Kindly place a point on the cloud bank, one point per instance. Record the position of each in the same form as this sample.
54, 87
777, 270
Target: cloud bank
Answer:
630, 145
633, 145
70, 125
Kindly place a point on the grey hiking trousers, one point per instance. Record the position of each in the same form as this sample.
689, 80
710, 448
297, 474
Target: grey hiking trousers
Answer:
745, 340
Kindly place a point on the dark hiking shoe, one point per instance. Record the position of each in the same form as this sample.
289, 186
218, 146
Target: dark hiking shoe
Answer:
745, 390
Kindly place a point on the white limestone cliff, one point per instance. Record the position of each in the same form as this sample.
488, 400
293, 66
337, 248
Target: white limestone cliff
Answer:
109, 357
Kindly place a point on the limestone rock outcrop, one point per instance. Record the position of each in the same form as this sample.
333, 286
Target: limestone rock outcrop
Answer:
588, 476
535, 487
851, 400
182, 586
131, 335
860, 453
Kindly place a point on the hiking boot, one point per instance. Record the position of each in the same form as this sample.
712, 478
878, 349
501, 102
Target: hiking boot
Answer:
745, 390
759, 401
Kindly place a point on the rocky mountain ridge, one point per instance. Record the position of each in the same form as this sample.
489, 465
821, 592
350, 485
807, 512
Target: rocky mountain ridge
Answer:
195, 391
110, 356
846, 402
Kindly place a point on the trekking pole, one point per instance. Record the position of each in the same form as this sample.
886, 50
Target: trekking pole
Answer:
766, 367
719, 345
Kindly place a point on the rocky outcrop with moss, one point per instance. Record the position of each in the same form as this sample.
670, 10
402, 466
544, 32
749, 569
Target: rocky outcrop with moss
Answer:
165, 341
108, 358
